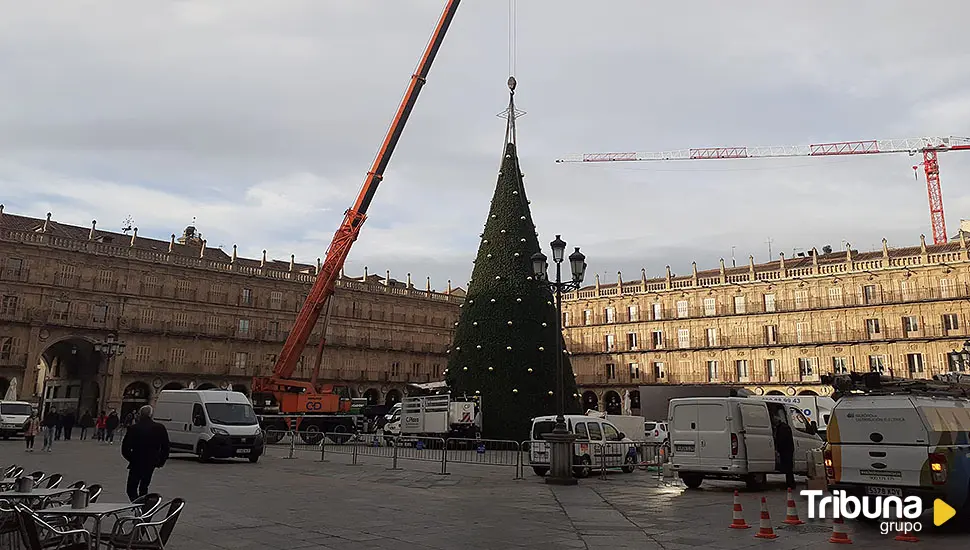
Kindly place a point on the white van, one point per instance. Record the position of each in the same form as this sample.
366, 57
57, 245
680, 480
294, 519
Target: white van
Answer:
732, 438
593, 437
13, 418
901, 445
817, 408
210, 423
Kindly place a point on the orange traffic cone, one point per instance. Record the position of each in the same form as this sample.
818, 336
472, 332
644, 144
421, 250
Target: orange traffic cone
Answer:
764, 530
791, 515
906, 536
738, 522
839, 534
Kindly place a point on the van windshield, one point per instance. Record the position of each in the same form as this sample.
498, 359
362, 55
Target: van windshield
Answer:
16, 409
231, 414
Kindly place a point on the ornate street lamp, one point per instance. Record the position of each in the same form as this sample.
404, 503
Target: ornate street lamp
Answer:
961, 358
108, 349
560, 440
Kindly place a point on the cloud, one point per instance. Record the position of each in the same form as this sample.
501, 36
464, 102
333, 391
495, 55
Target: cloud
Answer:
262, 119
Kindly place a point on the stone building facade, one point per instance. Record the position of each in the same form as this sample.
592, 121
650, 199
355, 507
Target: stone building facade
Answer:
773, 328
191, 315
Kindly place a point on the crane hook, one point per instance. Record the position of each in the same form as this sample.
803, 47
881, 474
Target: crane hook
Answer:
512, 84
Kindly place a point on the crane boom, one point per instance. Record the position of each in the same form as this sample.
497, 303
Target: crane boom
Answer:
354, 217
929, 147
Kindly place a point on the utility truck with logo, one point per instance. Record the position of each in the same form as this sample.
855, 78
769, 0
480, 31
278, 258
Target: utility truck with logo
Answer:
435, 416
902, 438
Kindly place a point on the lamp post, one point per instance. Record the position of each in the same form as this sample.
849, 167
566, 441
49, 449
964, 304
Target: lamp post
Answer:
560, 440
961, 358
108, 349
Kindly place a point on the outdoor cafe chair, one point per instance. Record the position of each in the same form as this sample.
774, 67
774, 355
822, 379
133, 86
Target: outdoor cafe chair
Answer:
146, 535
40, 535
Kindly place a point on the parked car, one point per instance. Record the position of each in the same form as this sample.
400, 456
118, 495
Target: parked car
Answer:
656, 432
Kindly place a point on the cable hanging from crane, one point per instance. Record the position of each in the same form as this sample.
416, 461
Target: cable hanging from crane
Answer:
512, 38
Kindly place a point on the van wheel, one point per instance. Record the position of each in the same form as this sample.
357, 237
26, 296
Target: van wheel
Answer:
585, 469
203, 452
756, 482
692, 481
630, 464
540, 471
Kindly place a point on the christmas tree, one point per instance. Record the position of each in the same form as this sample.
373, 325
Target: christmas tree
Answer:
505, 343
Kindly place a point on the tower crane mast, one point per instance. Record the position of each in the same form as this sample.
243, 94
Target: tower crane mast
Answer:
929, 147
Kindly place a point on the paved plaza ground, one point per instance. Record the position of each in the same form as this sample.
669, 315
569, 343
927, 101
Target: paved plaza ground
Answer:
303, 503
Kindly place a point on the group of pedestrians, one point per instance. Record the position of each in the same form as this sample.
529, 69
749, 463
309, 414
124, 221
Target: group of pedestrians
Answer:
54, 425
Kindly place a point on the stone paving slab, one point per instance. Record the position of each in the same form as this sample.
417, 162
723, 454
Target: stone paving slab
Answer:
305, 504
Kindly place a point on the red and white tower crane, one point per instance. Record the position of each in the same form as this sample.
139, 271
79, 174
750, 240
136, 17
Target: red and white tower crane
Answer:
929, 147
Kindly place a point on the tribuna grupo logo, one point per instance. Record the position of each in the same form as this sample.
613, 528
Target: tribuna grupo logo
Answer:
898, 514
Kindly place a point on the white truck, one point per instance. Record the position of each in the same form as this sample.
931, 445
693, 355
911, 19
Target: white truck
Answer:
732, 438
901, 444
435, 415
816, 409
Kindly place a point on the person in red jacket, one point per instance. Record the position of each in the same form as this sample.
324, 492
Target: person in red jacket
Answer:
102, 420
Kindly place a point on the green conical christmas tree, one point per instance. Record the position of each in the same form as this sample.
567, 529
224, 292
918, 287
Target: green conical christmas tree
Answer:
505, 342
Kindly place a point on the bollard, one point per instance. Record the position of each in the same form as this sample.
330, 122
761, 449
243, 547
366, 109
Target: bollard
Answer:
519, 467
602, 461
444, 458
323, 450
394, 443
292, 446
353, 454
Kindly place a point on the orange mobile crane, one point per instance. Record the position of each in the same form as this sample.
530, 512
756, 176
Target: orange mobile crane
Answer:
307, 406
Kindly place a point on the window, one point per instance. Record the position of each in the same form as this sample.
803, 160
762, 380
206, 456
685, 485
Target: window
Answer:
870, 294
66, 275
15, 266
143, 354
60, 310
910, 324
683, 338
801, 299
181, 319
184, 288
741, 333
839, 365
872, 327
608, 343
877, 363
915, 363
658, 370
834, 330
212, 324
178, 356
657, 339
99, 313
634, 371
711, 371
906, 290
740, 304
683, 308
771, 367
657, 309
273, 328
579, 429
565, 318
588, 317
801, 332
771, 334
798, 420
710, 306
633, 313
610, 315
950, 321
595, 434
611, 371
246, 297
210, 357
241, 360
741, 369
9, 347
711, 337
415, 369
9, 305
276, 300
946, 288
806, 366
835, 296
769, 303
105, 278
395, 369
150, 286
147, 317
631, 340
610, 433
242, 328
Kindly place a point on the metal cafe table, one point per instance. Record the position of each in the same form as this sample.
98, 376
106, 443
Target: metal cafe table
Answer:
96, 510
34, 496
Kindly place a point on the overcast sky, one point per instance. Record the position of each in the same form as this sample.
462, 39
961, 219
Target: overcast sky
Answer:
260, 119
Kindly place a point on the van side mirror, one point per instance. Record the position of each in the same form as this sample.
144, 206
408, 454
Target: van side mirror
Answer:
621, 436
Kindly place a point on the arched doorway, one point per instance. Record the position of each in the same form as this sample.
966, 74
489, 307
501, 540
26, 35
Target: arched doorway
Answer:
206, 386
635, 402
136, 394
373, 396
393, 396
74, 377
173, 386
613, 402
775, 392
4, 386
807, 392
590, 401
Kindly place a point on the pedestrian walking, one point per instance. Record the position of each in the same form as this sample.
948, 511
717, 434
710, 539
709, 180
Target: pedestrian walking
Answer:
87, 422
68, 421
145, 447
785, 444
31, 430
51, 421
110, 425
102, 420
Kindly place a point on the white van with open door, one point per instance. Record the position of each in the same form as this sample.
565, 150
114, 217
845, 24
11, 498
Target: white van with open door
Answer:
732, 438
210, 423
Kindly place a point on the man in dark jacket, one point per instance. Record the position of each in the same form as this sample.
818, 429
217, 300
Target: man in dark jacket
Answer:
110, 425
145, 447
51, 421
785, 445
